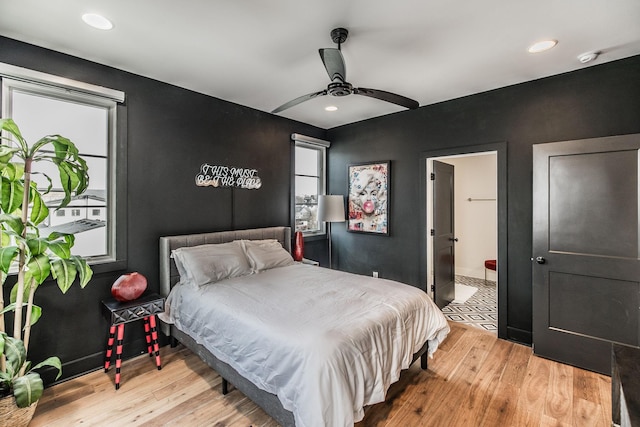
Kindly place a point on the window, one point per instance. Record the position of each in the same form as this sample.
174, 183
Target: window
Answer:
309, 183
42, 105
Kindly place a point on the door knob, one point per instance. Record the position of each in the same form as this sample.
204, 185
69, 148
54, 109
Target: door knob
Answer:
540, 260
453, 239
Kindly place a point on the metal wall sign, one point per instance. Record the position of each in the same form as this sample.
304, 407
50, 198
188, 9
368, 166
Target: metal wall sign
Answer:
228, 176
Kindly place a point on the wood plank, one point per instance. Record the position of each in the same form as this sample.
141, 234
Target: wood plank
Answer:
502, 408
547, 421
604, 385
439, 401
585, 386
480, 393
474, 380
587, 414
559, 403
148, 378
533, 393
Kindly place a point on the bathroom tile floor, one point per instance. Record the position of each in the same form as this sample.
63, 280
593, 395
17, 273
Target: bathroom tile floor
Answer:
480, 310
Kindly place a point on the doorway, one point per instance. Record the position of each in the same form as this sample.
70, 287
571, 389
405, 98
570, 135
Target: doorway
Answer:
479, 233
471, 180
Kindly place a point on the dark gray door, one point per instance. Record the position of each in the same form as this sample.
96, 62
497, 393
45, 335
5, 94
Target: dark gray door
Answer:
444, 271
586, 293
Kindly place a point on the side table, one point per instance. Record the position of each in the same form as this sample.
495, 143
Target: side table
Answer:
119, 313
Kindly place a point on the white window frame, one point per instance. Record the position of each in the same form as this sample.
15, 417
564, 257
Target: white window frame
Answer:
321, 146
47, 85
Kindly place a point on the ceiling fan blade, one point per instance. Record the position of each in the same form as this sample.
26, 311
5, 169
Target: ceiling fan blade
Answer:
334, 63
387, 96
299, 100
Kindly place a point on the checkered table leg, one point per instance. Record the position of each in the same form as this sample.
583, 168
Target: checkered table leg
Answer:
107, 356
154, 337
147, 334
119, 354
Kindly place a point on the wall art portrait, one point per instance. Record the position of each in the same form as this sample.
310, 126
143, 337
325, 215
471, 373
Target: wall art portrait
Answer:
368, 198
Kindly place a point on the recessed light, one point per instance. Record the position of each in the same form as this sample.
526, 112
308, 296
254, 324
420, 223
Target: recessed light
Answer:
331, 108
542, 45
97, 21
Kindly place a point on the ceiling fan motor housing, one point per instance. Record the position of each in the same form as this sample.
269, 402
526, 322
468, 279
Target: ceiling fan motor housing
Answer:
339, 35
340, 89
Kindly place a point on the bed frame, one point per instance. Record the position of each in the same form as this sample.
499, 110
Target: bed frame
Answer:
169, 277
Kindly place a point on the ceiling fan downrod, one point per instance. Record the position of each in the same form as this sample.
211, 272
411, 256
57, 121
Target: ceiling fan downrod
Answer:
339, 36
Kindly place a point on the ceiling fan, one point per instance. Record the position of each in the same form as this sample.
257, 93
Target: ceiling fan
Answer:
334, 64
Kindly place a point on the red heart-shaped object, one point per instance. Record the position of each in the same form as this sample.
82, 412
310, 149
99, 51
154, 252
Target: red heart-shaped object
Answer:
129, 286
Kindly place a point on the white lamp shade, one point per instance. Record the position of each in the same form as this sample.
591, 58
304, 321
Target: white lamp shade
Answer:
331, 208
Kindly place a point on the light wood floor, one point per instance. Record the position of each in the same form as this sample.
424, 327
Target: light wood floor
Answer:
474, 379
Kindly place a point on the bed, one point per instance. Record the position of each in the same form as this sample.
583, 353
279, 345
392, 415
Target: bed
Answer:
293, 337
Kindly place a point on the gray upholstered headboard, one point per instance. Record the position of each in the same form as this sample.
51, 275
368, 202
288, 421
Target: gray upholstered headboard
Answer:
168, 272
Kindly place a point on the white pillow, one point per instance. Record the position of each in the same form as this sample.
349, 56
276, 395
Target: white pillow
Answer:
182, 271
266, 254
212, 262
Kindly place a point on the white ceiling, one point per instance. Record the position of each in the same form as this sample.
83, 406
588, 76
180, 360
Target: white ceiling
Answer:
262, 53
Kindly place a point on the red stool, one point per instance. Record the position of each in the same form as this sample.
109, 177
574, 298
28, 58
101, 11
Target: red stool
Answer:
119, 313
489, 264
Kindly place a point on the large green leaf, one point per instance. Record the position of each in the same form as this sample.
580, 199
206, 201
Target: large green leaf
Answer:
64, 271
13, 296
36, 310
14, 222
36, 314
10, 126
15, 354
13, 171
12, 192
6, 154
27, 389
34, 184
69, 180
5, 239
61, 248
38, 268
73, 169
39, 210
52, 361
64, 148
84, 271
7, 255
37, 245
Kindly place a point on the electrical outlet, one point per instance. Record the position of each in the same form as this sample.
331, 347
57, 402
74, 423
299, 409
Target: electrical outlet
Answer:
375, 274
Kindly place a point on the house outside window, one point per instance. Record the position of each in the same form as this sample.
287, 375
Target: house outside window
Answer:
309, 182
42, 105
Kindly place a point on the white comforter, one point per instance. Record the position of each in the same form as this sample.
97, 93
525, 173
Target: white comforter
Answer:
327, 343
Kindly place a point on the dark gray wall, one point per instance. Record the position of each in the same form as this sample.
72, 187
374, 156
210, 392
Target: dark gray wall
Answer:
596, 101
171, 132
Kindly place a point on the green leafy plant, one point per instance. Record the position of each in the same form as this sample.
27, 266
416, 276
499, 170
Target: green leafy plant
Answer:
25, 251
28, 387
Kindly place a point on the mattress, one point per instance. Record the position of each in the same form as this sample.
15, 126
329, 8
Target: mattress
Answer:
327, 343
